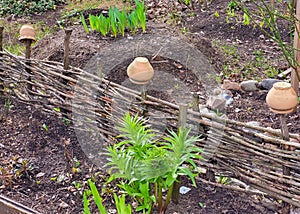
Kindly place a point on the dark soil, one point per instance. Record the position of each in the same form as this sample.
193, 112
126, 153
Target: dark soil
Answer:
51, 186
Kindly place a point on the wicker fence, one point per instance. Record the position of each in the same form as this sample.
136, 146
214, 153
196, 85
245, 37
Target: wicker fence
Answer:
249, 153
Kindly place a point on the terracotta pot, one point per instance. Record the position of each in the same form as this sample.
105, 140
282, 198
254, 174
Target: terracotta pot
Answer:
282, 98
140, 71
27, 32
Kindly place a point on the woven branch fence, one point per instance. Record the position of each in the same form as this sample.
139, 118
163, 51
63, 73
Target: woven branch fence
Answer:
249, 153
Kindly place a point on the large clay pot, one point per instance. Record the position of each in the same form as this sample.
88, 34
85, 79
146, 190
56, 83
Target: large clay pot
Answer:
140, 71
282, 98
27, 32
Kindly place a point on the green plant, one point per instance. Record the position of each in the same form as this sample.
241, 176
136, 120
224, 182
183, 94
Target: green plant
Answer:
132, 21
117, 21
104, 25
14, 169
45, 127
216, 14
66, 121
122, 20
141, 14
223, 180
113, 21
144, 159
86, 29
121, 206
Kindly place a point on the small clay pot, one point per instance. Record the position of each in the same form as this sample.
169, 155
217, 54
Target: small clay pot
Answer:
27, 32
140, 71
282, 98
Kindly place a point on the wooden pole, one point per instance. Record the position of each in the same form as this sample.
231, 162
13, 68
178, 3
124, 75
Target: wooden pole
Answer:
28, 43
144, 96
285, 170
295, 75
67, 48
66, 60
1, 37
1, 49
181, 125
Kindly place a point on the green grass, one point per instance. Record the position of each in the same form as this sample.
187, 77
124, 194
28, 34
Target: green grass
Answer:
92, 4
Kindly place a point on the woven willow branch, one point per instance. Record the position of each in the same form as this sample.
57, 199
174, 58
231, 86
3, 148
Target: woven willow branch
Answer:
254, 156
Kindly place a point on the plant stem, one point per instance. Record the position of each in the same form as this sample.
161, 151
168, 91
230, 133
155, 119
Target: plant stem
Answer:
160, 203
168, 199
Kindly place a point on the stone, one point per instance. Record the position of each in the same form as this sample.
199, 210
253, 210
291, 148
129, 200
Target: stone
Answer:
228, 85
249, 85
216, 103
268, 83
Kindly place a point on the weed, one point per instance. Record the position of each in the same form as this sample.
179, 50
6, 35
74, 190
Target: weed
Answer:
66, 121
223, 180
201, 204
216, 14
45, 127
16, 168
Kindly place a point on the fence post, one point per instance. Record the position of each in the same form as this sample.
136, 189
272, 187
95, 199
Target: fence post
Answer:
1, 49
181, 125
27, 36
295, 75
285, 170
67, 48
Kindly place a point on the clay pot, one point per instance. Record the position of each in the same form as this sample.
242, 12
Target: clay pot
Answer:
27, 32
282, 98
140, 71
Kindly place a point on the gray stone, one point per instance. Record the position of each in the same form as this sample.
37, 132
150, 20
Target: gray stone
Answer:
216, 103
249, 85
268, 83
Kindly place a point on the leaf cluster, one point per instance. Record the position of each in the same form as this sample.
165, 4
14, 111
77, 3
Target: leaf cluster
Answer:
144, 159
25, 7
118, 21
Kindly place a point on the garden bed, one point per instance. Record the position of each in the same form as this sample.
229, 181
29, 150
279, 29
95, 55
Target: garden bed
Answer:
49, 143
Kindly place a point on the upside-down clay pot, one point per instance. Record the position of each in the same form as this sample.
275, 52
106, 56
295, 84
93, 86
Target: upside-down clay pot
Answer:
27, 32
140, 71
282, 98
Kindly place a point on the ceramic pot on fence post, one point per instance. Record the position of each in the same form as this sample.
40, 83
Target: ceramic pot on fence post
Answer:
282, 99
27, 32
140, 71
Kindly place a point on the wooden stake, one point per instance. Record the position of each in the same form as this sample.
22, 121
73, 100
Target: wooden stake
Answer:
285, 170
181, 124
144, 96
27, 43
67, 48
1, 38
295, 75
1, 49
